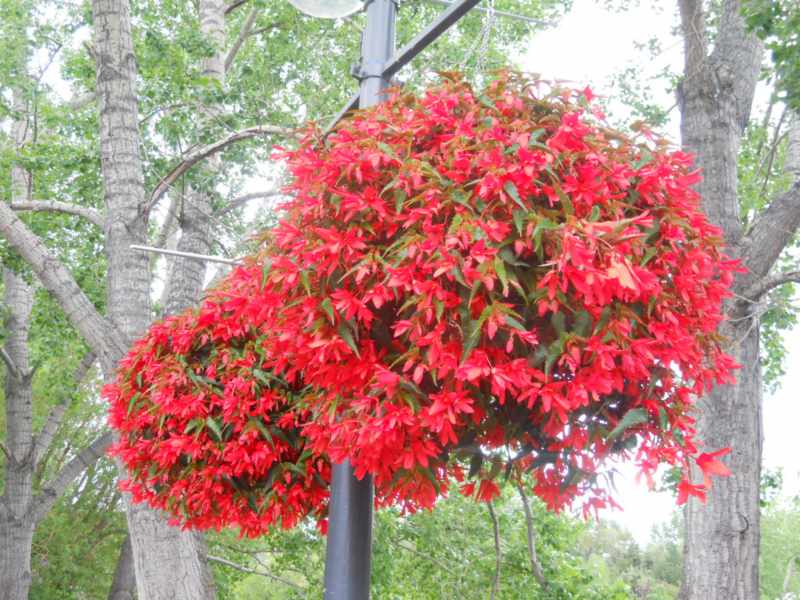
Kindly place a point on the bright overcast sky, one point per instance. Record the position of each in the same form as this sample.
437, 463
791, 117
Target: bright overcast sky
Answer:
581, 50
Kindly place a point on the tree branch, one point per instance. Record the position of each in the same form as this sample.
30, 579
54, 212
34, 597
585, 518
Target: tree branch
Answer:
9, 457
204, 152
770, 282
497, 553
695, 41
90, 214
53, 489
81, 101
770, 234
244, 569
242, 200
101, 336
45, 437
741, 51
536, 566
10, 365
234, 5
249, 21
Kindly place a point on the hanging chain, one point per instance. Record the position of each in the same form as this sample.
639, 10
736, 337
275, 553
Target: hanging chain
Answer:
480, 48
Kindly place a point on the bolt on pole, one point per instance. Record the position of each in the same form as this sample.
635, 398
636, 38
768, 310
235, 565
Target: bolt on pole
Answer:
349, 548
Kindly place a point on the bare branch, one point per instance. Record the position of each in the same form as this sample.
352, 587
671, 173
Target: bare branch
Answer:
536, 566
234, 5
695, 41
204, 152
770, 234
770, 282
249, 21
45, 437
10, 365
81, 101
103, 338
9, 457
497, 552
53, 489
735, 45
242, 200
90, 214
244, 569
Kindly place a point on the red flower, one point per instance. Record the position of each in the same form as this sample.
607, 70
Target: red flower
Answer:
462, 288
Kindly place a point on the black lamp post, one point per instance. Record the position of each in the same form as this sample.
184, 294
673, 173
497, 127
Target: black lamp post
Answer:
347, 560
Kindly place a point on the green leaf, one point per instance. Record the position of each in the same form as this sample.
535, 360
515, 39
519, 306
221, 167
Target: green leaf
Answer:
265, 269
133, 401
565, 199
305, 282
651, 252
327, 306
645, 159
192, 425
262, 428
347, 336
400, 198
387, 149
537, 133
500, 269
633, 417
558, 320
475, 464
214, 426
663, 419
486, 102
515, 324
511, 190
583, 323
519, 222
510, 259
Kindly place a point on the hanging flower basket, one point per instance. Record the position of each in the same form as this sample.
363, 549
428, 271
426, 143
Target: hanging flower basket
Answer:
464, 288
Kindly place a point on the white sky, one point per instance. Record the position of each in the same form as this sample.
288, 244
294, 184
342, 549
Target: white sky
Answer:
581, 50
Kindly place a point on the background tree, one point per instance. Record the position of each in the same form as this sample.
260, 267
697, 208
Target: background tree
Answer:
715, 96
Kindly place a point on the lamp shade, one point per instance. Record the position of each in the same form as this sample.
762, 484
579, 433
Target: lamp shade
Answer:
328, 9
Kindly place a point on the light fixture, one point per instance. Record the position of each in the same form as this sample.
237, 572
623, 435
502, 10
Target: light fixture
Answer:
328, 9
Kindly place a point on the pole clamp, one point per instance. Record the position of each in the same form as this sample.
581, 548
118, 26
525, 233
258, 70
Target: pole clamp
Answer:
361, 72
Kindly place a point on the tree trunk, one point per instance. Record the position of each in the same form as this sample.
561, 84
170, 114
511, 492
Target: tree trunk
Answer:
16, 522
169, 563
123, 587
186, 275
16, 538
722, 537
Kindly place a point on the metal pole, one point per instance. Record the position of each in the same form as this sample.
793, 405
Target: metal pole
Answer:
347, 559
407, 53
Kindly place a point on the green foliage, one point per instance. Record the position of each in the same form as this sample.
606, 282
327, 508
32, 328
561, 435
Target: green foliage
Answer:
780, 550
777, 22
75, 548
652, 572
762, 177
446, 553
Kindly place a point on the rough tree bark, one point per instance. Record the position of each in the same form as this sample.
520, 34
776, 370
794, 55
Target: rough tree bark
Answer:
123, 586
185, 280
715, 96
169, 563
16, 522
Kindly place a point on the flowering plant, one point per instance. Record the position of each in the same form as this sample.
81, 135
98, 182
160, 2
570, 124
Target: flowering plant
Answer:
464, 288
